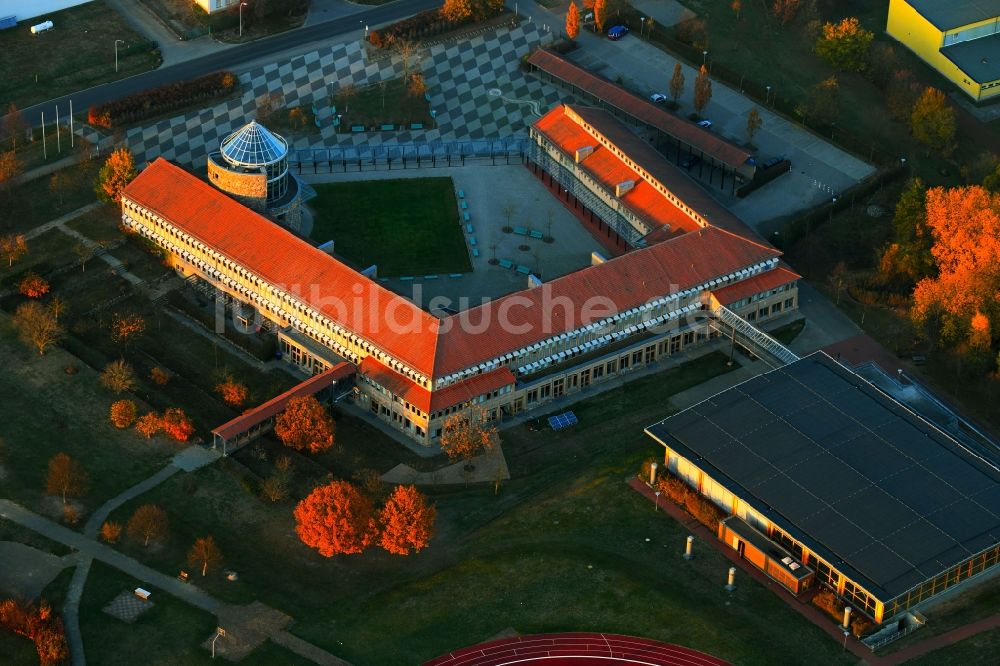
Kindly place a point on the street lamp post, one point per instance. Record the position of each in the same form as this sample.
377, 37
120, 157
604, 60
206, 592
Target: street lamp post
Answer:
242, 5
767, 95
116, 52
642, 26
704, 57
657, 493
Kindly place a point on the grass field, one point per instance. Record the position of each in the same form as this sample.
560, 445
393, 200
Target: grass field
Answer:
33, 203
17, 650
100, 225
407, 227
971, 651
76, 54
562, 547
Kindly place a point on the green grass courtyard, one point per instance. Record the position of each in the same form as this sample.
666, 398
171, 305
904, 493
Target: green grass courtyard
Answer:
407, 226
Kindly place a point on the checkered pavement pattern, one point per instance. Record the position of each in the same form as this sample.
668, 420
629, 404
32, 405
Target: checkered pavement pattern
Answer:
127, 607
459, 76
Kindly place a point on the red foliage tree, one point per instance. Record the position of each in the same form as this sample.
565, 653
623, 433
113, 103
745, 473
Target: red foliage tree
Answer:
336, 519
176, 424
572, 21
406, 521
233, 392
33, 286
305, 425
123, 413
39, 625
149, 424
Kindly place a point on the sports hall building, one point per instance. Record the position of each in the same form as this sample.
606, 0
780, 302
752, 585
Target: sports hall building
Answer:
827, 480
685, 258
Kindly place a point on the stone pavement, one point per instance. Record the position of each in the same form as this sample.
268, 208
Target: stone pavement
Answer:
486, 468
459, 76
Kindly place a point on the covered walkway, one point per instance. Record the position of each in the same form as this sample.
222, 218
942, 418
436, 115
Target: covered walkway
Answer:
248, 426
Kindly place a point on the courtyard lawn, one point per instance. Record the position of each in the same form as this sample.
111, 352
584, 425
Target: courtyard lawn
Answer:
78, 53
974, 650
407, 227
47, 251
562, 547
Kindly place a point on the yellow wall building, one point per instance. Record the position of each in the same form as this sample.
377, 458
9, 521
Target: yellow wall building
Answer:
958, 38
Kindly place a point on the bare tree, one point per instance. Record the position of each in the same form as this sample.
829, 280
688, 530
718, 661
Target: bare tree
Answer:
66, 477
37, 326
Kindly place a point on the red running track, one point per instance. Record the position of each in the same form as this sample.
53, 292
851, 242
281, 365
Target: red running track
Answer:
576, 649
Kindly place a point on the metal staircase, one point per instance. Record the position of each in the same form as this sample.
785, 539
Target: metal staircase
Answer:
726, 321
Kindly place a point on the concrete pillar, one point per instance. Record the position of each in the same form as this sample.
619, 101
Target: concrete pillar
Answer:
731, 584
652, 474
847, 618
687, 548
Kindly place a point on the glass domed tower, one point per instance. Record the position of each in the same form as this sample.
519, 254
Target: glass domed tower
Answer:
252, 166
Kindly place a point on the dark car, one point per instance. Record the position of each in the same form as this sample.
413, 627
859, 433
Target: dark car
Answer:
616, 32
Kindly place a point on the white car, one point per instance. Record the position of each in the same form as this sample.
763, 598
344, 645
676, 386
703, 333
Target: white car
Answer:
657, 98
707, 124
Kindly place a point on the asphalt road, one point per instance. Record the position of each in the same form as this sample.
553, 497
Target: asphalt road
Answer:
229, 58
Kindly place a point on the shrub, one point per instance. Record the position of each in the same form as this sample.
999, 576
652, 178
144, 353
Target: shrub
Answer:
176, 424
33, 286
433, 22
161, 99
111, 531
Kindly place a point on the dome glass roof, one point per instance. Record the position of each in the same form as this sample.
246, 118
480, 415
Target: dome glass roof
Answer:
253, 145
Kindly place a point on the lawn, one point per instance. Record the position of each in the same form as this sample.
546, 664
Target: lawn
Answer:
17, 650
78, 53
47, 251
101, 225
562, 547
49, 411
31, 204
971, 651
407, 227
388, 102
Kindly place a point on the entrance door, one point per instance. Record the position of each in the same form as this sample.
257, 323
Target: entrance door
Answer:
741, 547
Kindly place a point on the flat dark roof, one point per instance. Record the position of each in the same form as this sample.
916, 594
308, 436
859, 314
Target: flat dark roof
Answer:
948, 14
978, 58
877, 492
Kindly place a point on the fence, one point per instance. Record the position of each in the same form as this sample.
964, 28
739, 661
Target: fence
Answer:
512, 150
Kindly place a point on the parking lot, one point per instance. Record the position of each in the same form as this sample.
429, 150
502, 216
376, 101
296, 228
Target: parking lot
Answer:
819, 172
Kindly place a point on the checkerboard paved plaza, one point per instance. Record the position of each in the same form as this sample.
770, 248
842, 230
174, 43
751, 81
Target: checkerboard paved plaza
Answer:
458, 74
127, 607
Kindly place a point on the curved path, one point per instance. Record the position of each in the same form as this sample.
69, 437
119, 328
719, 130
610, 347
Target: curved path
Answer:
576, 649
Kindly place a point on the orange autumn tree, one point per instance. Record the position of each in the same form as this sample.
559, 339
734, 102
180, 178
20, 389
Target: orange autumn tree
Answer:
176, 424
233, 393
204, 554
33, 286
305, 425
149, 424
117, 172
406, 521
40, 625
66, 477
962, 297
126, 327
123, 413
336, 519
148, 523
600, 14
466, 434
572, 21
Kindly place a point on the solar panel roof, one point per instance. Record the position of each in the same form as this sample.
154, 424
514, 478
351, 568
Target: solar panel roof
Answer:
866, 484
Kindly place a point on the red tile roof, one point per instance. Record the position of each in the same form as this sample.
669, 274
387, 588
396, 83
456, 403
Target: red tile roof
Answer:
563, 130
385, 319
426, 401
754, 285
593, 294
272, 407
642, 110
642, 154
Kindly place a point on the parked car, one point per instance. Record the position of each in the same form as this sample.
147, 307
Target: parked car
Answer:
690, 162
616, 32
707, 124
657, 98
773, 161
